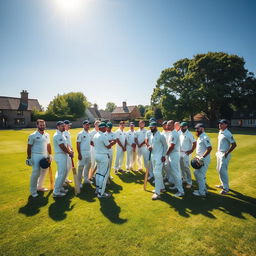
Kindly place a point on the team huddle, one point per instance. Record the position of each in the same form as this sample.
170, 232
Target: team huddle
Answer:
166, 156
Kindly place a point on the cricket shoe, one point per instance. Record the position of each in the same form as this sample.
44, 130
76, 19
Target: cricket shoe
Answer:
60, 194
43, 189
224, 192
68, 181
179, 194
105, 195
172, 187
156, 196
150, 177
87, 181
219, 186
188, 186
34, 195
63, 190
162, 190
197, 193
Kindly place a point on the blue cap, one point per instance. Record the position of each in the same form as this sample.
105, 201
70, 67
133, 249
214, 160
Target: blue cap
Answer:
152, 119
131, 123
67, 122
59, 123
223, 121
183, 124
199, 125
86, 122
102, 125
109, 125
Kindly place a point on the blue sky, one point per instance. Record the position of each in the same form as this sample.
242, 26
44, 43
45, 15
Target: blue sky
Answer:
113, 50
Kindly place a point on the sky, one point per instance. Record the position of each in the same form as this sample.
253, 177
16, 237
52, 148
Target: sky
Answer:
113, 50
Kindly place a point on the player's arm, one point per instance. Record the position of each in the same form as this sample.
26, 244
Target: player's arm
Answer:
66, 149
165, 147
29, 151
231, 148
192, 149
207, 151
49, 150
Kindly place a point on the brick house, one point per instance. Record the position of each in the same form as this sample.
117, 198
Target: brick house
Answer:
125, 113
16, 112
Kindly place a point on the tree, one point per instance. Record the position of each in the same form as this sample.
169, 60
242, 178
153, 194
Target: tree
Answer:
110, 106
143, 109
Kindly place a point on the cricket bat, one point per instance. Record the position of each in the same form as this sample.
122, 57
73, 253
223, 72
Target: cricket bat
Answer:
147, 171
51, 178
76, 182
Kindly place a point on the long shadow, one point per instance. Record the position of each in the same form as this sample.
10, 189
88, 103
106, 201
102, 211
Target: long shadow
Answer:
111, 210
57, 210
192, 205
114, 187
33, 205
132, 177
87, 193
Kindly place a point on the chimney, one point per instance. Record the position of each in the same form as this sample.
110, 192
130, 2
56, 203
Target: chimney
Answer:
24, 96
124, 104
95, 106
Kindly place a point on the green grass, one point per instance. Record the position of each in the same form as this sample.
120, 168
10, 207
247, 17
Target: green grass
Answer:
130, 223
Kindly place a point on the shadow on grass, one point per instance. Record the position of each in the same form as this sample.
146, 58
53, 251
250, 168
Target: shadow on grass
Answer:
235, 204
132, 177
111, 210
34, 204
57, 210
87, 193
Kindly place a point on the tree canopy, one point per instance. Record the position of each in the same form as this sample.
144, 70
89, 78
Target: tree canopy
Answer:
110, 106
212, 83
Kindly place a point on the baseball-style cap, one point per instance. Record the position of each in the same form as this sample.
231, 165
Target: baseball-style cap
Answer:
199, 125
131, 123
67, 122
102, 125
59, 123
153, 124
223, 121
152, 119
183, 124
164, 122
86, 122
109, 125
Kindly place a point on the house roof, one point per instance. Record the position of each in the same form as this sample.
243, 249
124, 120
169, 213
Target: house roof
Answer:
121, 110
95, 112
105, 114
200, 117
12, 103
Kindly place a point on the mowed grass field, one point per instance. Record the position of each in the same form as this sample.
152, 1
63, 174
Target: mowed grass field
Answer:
129, 223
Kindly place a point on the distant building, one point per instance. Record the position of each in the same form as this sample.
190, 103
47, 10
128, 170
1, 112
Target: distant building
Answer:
93, 113
16, 112
105, 115
125, 113
244, 119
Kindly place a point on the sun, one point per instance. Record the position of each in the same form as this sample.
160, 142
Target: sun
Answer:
69, 6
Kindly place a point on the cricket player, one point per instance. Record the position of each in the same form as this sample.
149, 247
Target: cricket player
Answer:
226, 144
83, 146
142, 151
111, 138
130, 148
173, 154
67, 135
203, 149
157, 147
62, 152
187, 147
38, 147
92, 133
120, 147
102, 146
177, 127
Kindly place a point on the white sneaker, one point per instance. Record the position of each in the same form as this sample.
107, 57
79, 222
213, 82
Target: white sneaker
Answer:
34, 195
178, 194
87, 181
63, 190
68, 181
105, 195
172, 187
167, 183
156, 196
42, 189
60, 194
188, 186
197, 193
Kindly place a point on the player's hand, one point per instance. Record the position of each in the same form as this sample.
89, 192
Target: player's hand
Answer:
71, 154
50, 158
29, 162
150, 148
79, 157
188, 152
163, 159
226, 154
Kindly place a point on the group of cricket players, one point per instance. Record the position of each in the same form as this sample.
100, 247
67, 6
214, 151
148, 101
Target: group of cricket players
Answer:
166, 155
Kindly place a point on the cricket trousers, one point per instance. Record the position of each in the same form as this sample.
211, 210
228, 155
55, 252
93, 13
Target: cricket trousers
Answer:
200, 175
174, 165
69, 165
61, 161
222, 168
130, 157
84, 166
157, 165
142, 152
119, 158
38, 174
184, 166
101, 176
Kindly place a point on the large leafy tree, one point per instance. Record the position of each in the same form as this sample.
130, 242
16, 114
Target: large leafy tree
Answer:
211, 83
110, 106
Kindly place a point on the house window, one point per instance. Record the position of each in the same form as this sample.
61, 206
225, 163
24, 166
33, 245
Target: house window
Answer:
19, 121
20, 113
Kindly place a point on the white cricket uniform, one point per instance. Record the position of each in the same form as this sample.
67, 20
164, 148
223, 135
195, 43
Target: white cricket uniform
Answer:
39, 144
225, 139
61, 160
159, 147
203, 142
69, 162
142, 151
131, 154
84, 138
111, 136
186, 143
119, 151
93, 163
166, 167
101, 142
151, 174
174, 161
